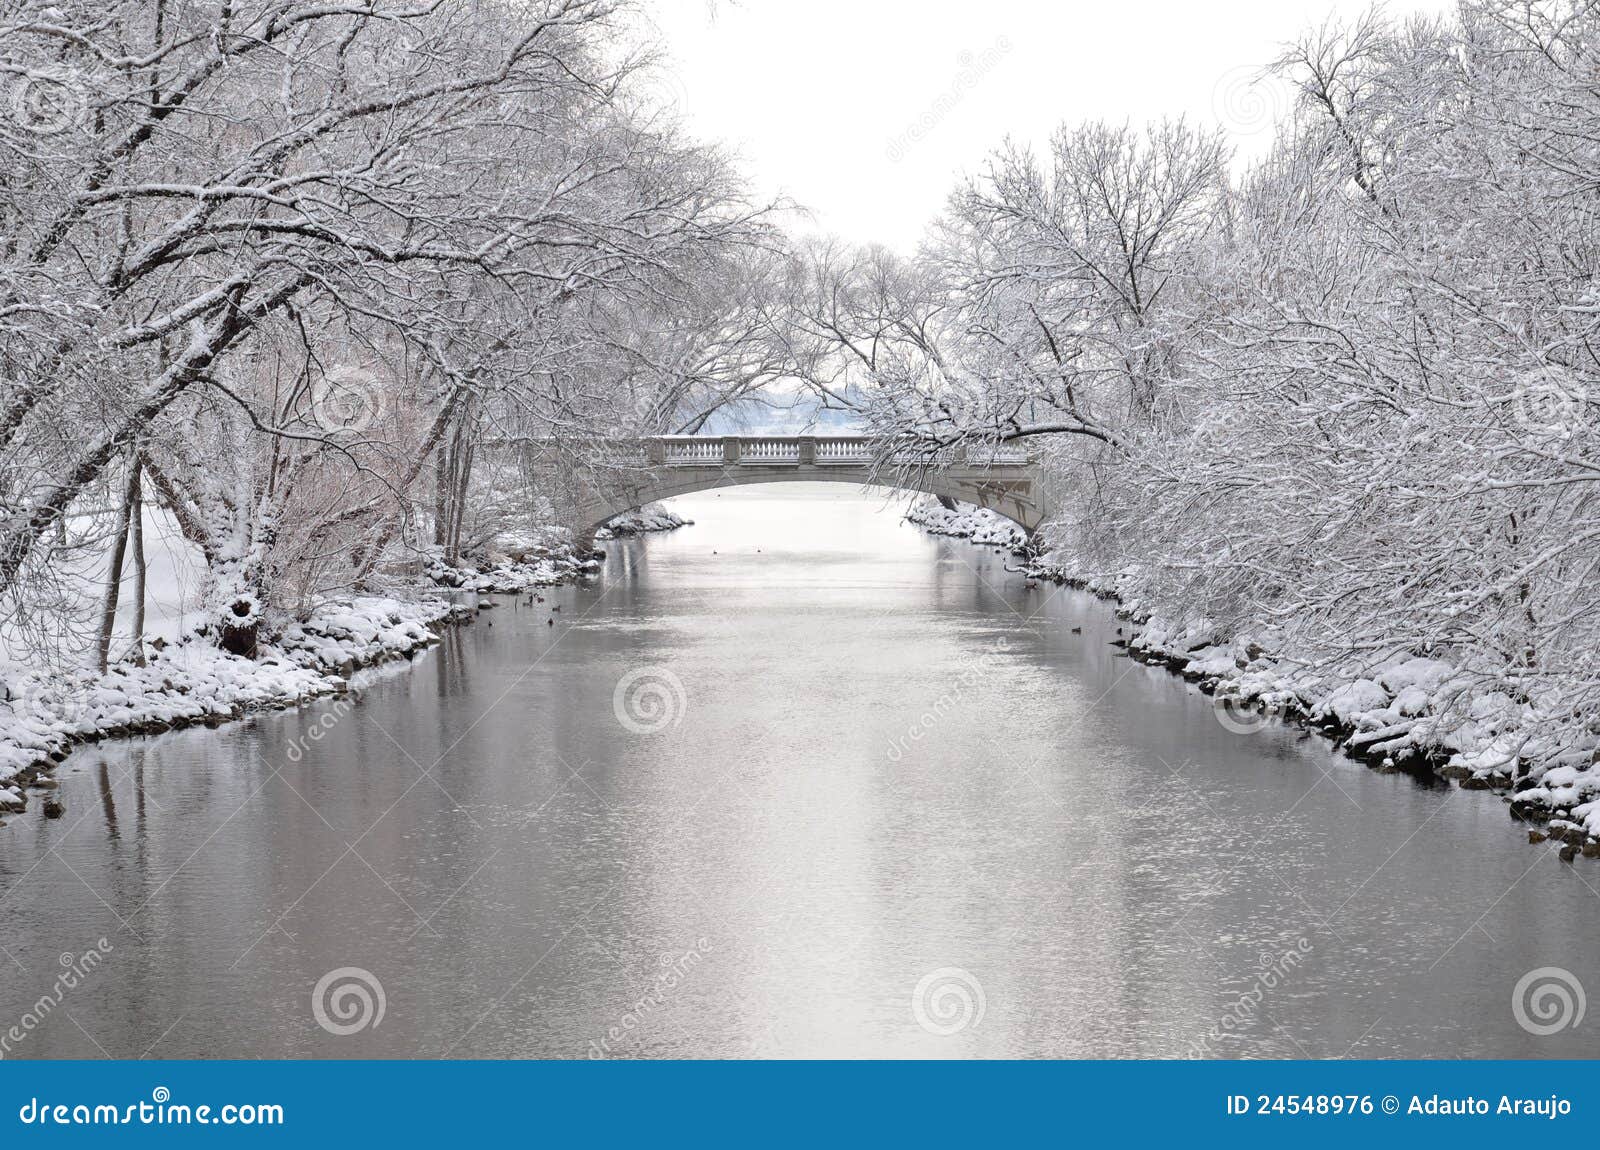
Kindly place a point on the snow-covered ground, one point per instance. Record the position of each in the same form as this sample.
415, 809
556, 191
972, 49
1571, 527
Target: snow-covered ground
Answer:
187, 680
192, 681
1396, 712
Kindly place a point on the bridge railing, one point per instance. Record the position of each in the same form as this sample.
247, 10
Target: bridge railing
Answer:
819, 451
693, 452
853, 451
770, 451
760, 451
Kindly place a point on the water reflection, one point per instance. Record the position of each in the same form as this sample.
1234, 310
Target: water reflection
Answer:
889, 761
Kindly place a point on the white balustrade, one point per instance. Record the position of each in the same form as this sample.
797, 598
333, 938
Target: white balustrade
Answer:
694, 452
768, 451
791, 451
843, 451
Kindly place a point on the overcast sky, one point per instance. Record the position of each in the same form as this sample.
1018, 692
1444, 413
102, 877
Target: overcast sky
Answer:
866, 111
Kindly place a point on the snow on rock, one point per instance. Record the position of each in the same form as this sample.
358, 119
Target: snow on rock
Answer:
510, 574
653, 517
1352, 702
1424, 674
978, 524
1412, 701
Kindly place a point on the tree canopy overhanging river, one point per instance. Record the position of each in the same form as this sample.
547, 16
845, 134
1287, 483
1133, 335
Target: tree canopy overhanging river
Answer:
797, 780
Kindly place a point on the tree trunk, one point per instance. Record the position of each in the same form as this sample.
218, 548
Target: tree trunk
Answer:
463, 478
241, 628
108, 613
441, 496
140, 569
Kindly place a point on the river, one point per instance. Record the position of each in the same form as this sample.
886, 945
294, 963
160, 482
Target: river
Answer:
798, 780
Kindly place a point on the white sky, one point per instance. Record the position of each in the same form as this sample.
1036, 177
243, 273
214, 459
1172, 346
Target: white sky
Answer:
818, 96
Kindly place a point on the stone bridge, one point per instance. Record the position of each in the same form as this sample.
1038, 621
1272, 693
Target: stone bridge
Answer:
629, 474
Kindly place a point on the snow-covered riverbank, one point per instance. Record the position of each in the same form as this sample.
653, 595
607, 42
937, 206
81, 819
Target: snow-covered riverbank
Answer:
1398, 712
191, 681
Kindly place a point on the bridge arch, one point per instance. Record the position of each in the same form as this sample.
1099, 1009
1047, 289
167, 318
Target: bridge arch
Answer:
1002, 480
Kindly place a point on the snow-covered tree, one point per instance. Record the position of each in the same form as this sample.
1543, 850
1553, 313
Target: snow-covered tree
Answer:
300, 258
1348, 397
